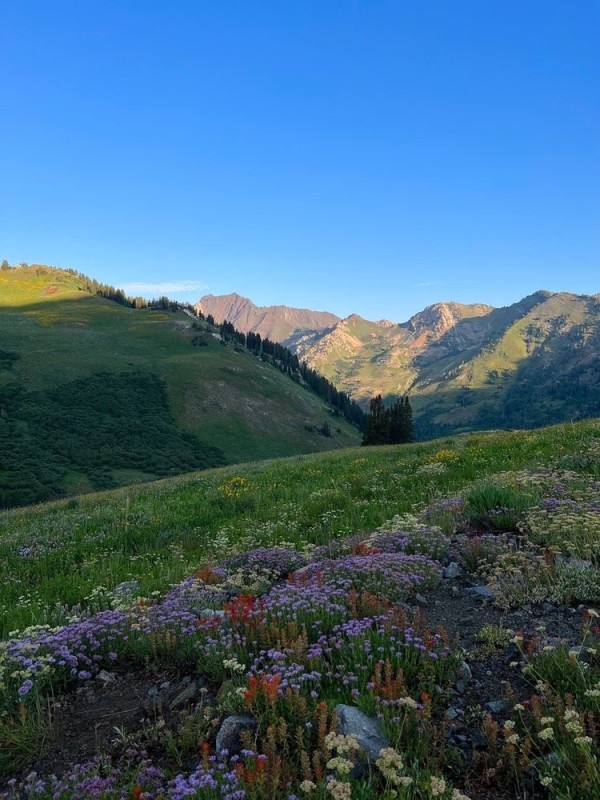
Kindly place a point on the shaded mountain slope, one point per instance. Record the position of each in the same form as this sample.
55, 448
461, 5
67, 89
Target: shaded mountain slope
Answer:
94, 394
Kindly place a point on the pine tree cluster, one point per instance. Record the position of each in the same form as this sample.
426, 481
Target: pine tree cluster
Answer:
393, 425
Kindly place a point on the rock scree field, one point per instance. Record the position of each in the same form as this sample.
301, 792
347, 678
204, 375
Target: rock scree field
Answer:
408, 622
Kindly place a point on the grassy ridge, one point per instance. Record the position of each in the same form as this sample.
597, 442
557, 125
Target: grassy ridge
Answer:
58, 340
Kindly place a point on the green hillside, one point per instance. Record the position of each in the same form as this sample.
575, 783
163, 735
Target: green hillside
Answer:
94, 394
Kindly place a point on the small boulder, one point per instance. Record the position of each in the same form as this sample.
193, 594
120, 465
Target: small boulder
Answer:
453, 570
496, 706
368, 732
126, 590
187, 694
229, 735
106, 677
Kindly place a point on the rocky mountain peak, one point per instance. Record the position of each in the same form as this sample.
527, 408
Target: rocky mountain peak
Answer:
438, 318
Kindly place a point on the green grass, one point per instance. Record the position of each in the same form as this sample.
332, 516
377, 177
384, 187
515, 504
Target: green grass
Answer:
160, 532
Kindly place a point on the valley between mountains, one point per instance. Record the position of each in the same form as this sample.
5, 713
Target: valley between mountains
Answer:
465, 367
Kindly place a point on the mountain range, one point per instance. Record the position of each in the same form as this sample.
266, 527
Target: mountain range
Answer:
276, 323
465, 367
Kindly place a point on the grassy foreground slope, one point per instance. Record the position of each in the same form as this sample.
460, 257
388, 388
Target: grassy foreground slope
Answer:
159, 533
94, 394
414, 622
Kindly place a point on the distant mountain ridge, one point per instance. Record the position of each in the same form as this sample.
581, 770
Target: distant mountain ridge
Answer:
272, 322
466, 367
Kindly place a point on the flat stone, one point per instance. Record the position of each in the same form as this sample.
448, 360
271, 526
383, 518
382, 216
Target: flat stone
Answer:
228, 737
463, 671
127, 589
420, 600
481, 591
496, 706
106, 677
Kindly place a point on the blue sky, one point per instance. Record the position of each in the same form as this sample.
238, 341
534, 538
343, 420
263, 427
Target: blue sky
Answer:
365, 156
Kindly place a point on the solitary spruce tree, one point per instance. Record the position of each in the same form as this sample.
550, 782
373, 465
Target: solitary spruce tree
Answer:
391, 426
377, 430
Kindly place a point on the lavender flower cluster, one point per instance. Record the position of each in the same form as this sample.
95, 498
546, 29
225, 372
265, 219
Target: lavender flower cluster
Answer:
278, 561
389, 576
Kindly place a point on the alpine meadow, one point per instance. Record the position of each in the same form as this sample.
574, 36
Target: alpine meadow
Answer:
299, 400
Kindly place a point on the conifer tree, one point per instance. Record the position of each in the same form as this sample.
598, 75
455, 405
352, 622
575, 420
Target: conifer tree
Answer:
377, 430
396, 429
407, 432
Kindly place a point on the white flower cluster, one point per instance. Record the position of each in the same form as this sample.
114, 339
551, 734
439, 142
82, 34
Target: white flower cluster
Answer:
390, 764
234, 665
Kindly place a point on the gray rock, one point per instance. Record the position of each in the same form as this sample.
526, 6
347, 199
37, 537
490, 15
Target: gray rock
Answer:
228, 737
352, 722
212, 613
105, 677
420, 600
453, 570
460, 686
496, 706
481, 591
464, 672
478, 740
452, 713
188, 693
574, 562
455, 591
127, 589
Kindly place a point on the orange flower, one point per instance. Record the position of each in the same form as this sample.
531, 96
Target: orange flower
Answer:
208, 576
266, 686
241, 608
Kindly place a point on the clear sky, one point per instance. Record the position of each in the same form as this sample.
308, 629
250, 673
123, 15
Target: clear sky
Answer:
368, 156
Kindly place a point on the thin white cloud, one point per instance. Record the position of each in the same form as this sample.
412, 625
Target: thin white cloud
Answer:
167, 288
430, 283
